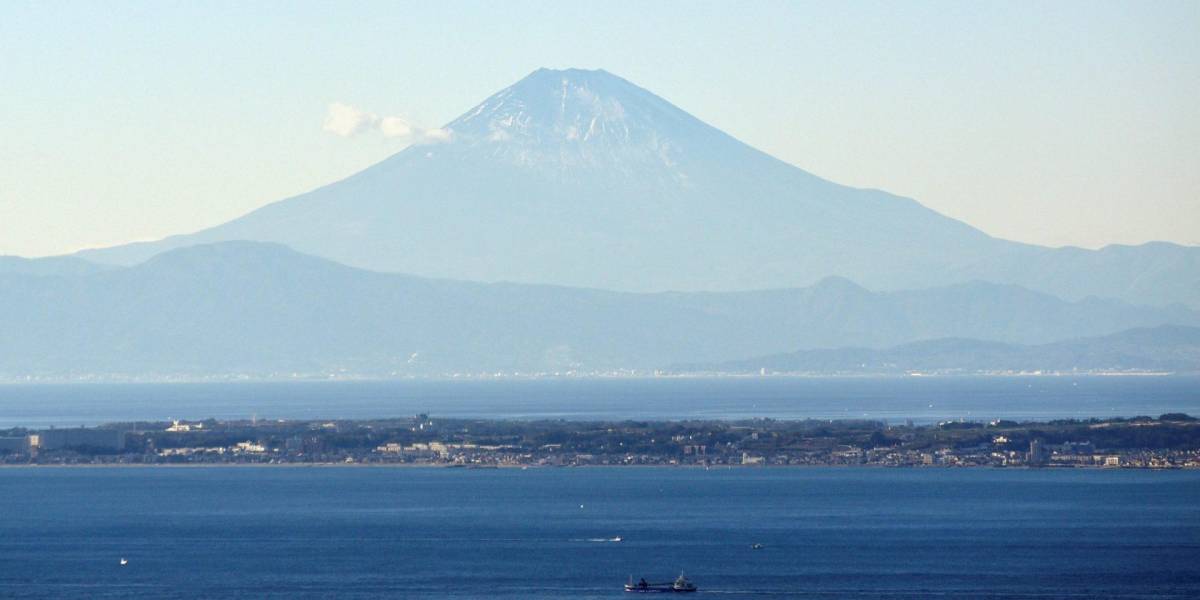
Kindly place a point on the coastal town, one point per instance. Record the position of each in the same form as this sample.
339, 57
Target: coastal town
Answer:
1167, 441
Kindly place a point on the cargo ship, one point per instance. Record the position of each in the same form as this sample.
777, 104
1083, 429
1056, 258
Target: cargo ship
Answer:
681, 584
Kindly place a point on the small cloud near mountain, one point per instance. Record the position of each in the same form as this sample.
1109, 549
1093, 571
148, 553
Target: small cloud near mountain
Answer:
344, 120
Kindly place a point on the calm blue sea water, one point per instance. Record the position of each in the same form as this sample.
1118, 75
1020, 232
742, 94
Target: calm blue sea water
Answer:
895, 399
425, 533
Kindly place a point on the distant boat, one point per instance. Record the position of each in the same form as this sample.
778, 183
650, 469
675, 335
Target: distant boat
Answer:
124, 562
680, 585
757, 546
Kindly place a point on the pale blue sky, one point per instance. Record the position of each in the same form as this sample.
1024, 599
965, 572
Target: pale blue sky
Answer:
1052, 122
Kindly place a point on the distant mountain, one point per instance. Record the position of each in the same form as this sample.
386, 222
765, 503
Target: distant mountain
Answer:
245, 307
53, 265
581, 178
1168, 348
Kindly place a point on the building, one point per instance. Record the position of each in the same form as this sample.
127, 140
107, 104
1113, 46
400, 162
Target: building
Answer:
78, 438
249, 448
1037, 452
14, 444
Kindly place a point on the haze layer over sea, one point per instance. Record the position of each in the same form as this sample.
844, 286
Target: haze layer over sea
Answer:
921, 399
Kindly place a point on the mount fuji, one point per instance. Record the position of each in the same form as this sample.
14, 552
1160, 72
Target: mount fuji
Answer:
581, 178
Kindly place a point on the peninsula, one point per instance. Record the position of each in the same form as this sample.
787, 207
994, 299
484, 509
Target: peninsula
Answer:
1167, 441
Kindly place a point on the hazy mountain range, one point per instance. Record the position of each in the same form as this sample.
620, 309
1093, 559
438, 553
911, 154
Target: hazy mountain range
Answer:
581, 178
1168, 348
263, 309
547, 232
53, 265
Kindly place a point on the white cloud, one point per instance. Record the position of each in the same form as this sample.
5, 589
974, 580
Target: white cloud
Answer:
433, 136
395, 127
344, 120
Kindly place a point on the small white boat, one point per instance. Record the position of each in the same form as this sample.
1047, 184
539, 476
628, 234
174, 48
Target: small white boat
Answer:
124, 561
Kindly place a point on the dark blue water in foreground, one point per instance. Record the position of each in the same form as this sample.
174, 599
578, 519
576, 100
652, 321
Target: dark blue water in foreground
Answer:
922, 399
423, 533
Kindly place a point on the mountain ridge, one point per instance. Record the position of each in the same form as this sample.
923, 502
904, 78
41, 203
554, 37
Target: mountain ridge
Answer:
252, 307
48, 266
1172, 348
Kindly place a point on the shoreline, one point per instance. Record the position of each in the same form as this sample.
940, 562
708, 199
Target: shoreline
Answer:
475, 378
722, 467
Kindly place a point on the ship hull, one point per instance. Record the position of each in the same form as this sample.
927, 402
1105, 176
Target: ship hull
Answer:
656, 590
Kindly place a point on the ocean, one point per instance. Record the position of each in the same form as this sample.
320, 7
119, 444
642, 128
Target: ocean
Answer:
896, 399
362, 532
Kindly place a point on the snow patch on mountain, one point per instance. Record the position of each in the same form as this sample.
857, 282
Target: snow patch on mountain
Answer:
578, 118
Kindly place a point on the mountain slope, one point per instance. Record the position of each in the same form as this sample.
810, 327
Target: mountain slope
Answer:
49, 266
581, 178
1164, 348
243, 307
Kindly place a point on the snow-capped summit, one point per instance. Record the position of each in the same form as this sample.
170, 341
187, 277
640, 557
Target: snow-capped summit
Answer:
578, 117
570, 105
581, 178
574, 124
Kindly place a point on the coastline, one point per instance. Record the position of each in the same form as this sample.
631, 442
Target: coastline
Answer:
596, 376
343, 465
